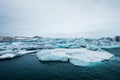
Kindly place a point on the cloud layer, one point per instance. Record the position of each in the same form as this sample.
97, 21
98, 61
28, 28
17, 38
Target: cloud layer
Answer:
60, 18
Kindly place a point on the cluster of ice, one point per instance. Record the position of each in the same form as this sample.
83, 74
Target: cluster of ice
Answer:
11, 47
80, 57
51, 43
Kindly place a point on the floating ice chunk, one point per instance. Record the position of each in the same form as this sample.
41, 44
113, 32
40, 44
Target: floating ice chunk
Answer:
80, 57
90, 57
11, 54
22, 52
92, 47
7, 56
112, 46
78, 62
45, 55
5, 51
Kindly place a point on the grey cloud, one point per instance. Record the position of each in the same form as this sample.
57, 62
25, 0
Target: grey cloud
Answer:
49, 17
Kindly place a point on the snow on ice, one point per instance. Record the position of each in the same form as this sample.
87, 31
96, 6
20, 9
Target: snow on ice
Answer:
80, 57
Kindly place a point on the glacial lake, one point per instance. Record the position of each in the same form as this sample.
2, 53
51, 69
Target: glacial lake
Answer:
28, 67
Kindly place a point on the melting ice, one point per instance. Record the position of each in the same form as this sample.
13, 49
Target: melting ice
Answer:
78, 51
80, 57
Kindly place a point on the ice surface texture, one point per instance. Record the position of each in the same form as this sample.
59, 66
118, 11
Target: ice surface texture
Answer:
10, 54
68, 46
80, 57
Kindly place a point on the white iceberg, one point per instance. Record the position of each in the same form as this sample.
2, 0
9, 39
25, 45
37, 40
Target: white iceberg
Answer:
80, 57
7, 56
49, 55
10, 54
23, 52
93, 47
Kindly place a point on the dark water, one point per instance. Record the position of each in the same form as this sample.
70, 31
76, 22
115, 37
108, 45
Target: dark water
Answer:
29, 68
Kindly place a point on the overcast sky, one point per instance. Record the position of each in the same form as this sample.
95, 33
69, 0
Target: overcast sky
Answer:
60, 18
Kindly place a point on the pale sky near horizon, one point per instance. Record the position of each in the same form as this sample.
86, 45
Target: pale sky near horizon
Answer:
60, 18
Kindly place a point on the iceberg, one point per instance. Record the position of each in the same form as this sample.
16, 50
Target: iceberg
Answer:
11, 54
47, 55
79, 57
7, 56
92, 47
23, 52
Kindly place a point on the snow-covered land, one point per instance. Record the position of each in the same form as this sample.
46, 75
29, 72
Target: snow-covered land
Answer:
80, 57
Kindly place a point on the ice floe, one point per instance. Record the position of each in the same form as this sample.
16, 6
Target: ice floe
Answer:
7, 56
12, 54
80, 57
